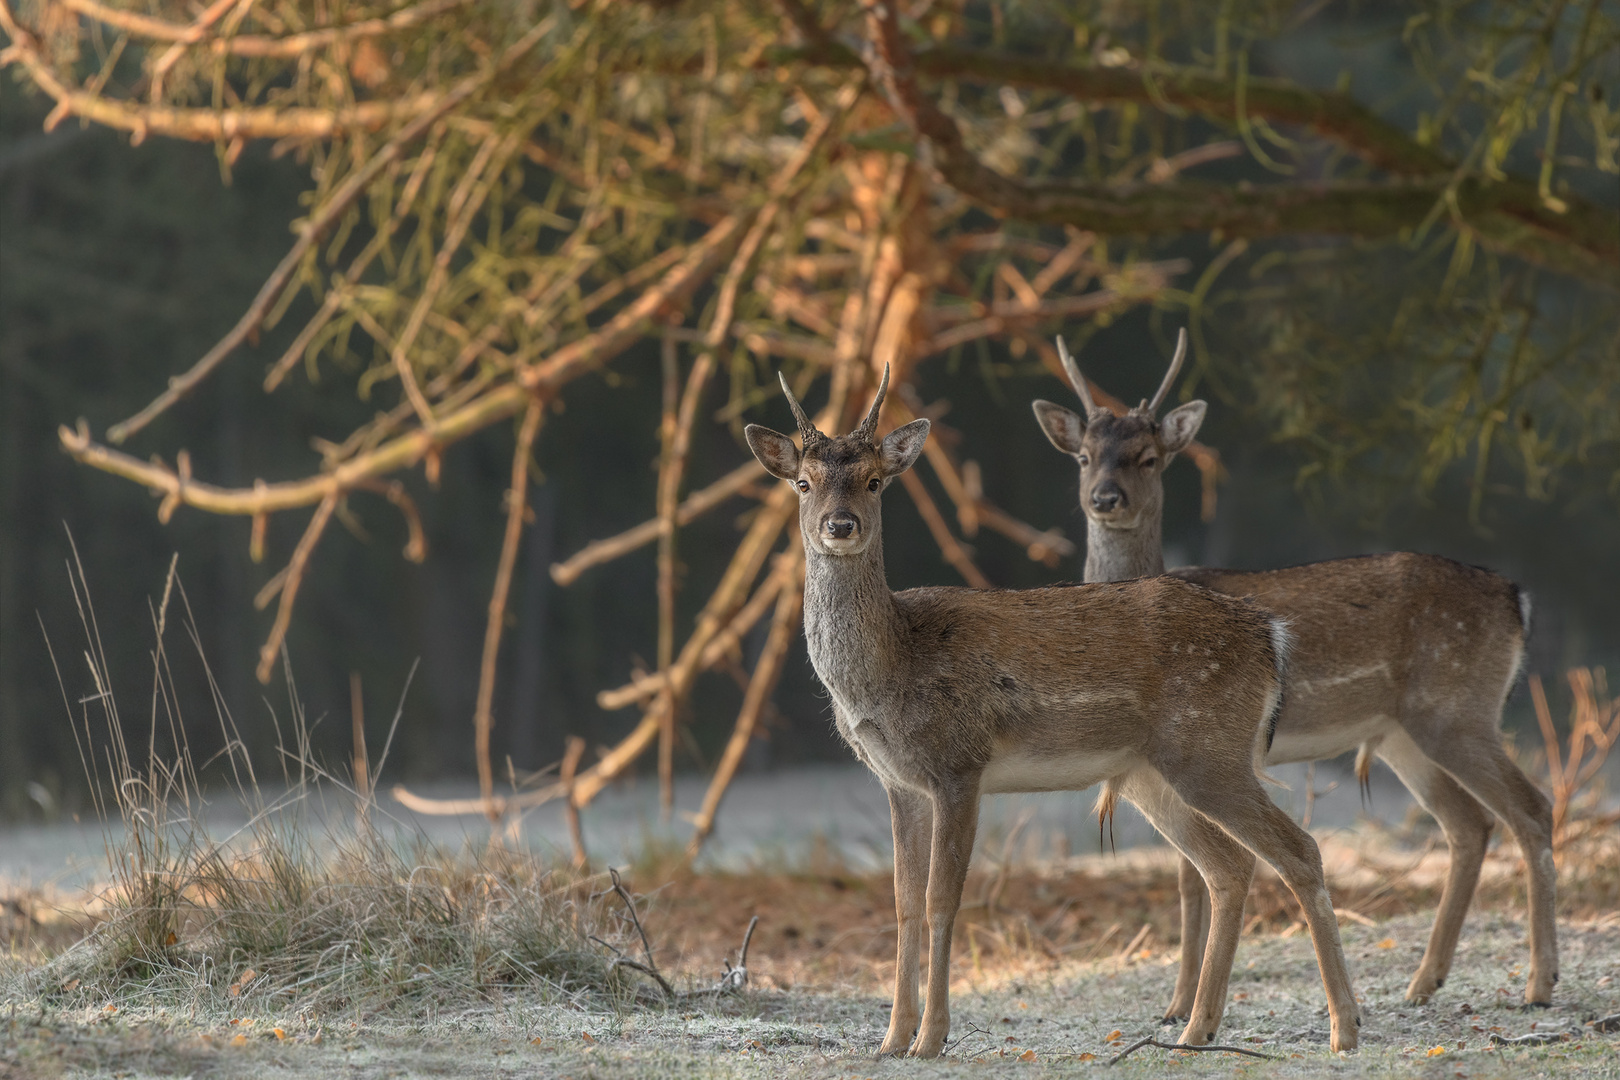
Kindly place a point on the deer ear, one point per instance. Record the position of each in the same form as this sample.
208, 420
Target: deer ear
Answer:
901, 446
1065, 428
1180, 425
775, 451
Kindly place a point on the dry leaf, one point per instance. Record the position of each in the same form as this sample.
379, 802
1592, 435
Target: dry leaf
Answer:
109, 1008
587, 1036
1436, 1051
240, 1040
1027, 1055
1113, 1035
278, 1033
1387, 943
70, 985
1087, 1057
172, 939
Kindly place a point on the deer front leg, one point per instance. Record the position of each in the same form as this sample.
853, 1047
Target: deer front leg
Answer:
1195, 915
912, 818
956, 819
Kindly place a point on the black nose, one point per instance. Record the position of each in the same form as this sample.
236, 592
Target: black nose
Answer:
1108, 496
841, 528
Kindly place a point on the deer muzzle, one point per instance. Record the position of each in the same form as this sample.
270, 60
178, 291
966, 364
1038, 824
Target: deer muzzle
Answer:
841, 532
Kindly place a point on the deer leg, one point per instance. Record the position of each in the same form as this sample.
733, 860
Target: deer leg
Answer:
1481, 765
956, 819
1213, 857
1467, 826
1195, 915
1242, 808
912, 818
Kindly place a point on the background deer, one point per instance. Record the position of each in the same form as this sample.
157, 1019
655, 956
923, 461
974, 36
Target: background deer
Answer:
1407, 657
1167, 694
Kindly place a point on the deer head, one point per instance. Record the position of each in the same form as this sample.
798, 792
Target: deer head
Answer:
840, 480
1121, 457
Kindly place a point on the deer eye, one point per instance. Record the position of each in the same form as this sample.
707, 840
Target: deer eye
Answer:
874, 483
802, 485
1149, 462
1085, 459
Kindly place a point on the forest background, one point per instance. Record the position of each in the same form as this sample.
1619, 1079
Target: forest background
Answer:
1438, 384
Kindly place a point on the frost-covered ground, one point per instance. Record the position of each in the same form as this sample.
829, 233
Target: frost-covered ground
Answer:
1029, 1017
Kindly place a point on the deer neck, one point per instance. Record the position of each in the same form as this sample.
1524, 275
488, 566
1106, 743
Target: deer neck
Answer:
1121, 554
851, 625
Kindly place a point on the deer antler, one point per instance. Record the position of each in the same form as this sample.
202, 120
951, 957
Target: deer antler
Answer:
808, 432
1170, 376
1076, 380
868, 428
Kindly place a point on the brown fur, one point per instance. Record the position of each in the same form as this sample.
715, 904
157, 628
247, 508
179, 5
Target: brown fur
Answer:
1401, 656
946, 693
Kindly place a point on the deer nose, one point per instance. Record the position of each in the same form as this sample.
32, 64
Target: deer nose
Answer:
1108, 496
841, 527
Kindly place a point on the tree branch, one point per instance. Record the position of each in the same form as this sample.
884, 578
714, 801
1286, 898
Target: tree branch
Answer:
517, 504
1509, 217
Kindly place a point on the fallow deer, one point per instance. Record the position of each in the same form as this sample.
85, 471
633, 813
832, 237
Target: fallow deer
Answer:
1166, 693
1401, 656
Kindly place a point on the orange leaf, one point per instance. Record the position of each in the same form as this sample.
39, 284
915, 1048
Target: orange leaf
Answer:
1436, 1051
278, 1033
240, 1040
248, 976
1088, 1057
587, 1036
1027, 1055
1112, 1035
172, 939
70, 985
1387, 943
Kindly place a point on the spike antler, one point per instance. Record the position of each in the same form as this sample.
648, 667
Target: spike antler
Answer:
1076, 380
1170, 376
808, 432
868, 428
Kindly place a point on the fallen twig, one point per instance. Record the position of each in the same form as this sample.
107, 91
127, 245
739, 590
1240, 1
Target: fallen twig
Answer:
1138, 1044
1535, 1038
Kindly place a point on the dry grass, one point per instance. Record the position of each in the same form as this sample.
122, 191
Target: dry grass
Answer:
284, 910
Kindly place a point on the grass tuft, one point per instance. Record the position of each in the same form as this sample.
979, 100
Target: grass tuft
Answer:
291, 909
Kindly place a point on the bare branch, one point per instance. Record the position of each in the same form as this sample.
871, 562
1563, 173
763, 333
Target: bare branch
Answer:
517, 504
695, 506
312, 230
289, 588
784, 628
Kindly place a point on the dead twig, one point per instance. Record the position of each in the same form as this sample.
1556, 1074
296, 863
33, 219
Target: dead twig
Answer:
516, 506
736, 978
1138, 1044
784, 628
570, 765
289, 587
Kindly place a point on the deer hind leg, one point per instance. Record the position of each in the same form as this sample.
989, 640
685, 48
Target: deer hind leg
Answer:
1227, 867
1233, 798
956, 819
1195, 915
1478, 762
1467, 826
912, 818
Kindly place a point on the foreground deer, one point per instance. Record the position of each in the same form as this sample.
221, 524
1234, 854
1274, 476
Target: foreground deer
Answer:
1407, 657
1167, 694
